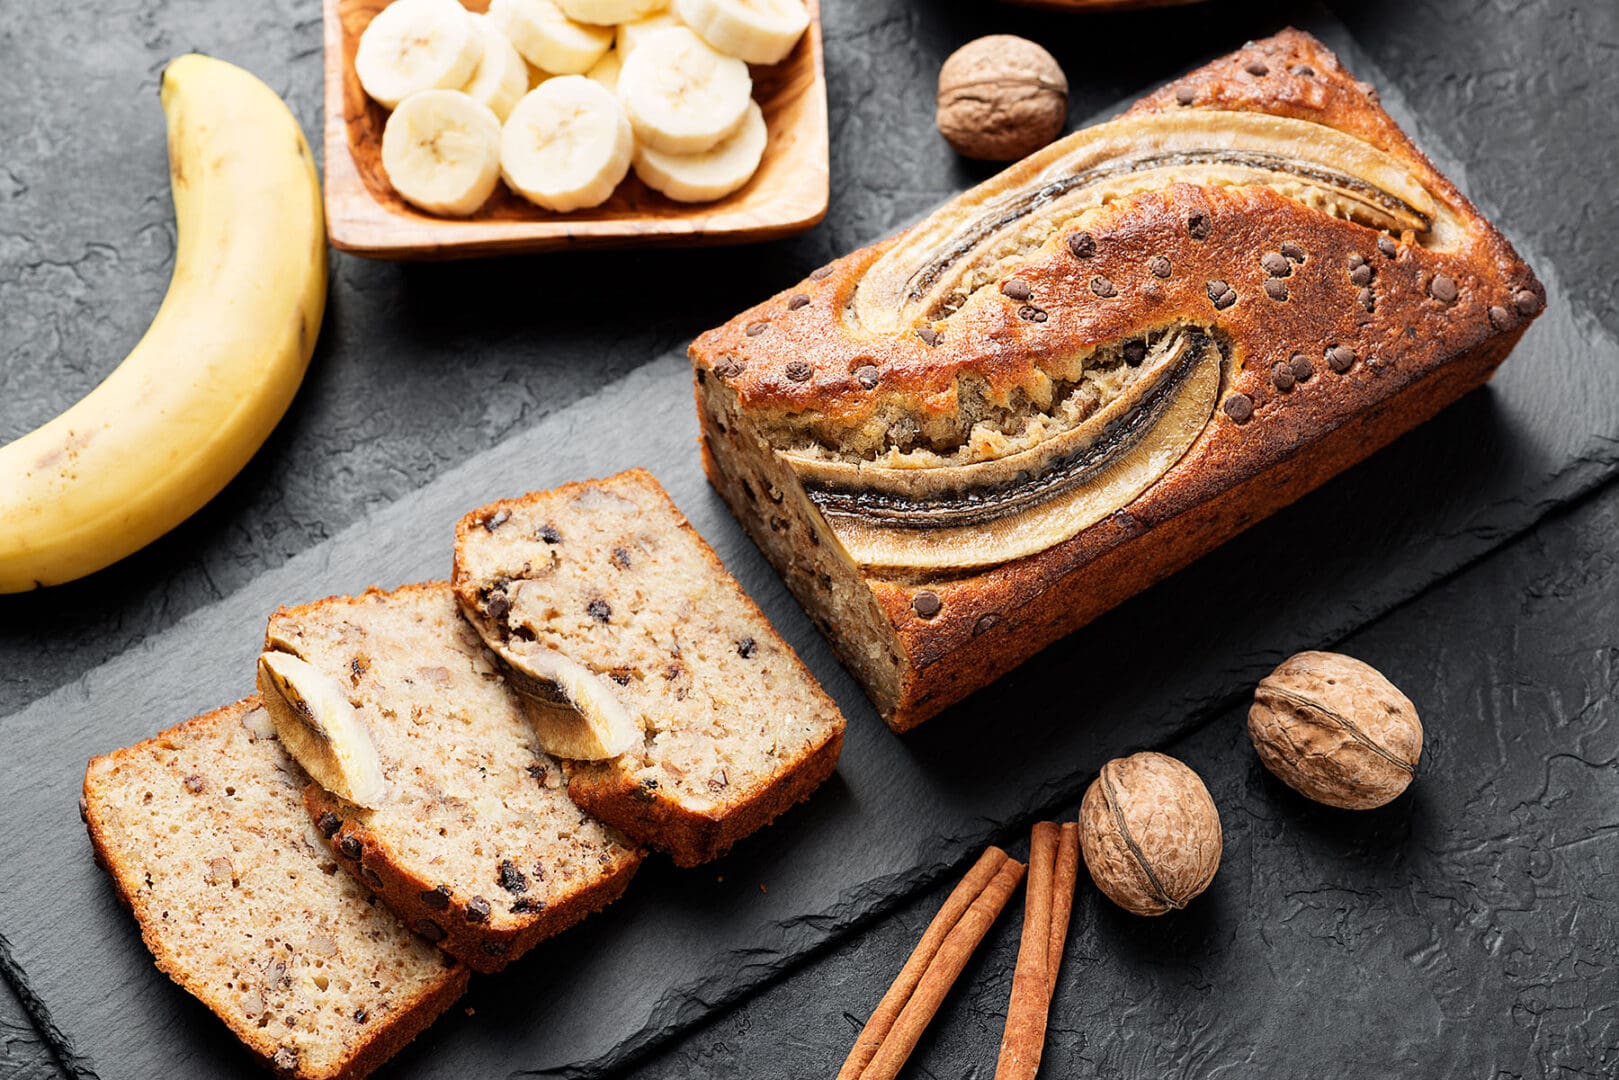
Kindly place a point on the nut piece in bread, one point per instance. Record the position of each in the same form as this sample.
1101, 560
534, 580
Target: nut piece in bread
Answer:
1068, 382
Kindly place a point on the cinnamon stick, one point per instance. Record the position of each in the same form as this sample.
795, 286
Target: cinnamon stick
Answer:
930, 991
1025, 1036
1062, 900
888, 1009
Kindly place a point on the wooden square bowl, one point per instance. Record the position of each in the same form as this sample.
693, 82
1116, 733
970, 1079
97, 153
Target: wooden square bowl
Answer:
363, 214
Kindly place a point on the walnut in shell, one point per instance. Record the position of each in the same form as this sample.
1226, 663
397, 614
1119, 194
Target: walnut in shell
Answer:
1150, 833
1001, 97
1335, 730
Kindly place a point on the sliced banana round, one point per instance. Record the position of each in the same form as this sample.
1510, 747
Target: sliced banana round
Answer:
321, 728
502, 75
758, 31
606, 72
681, 96
566, 145
415, 45
608, 12
631, 34
441, 151
712, 174
547, 38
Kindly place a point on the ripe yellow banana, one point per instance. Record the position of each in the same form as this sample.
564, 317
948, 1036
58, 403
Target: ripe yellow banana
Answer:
218, 366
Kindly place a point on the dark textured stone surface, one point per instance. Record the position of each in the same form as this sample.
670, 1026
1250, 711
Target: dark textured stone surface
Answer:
421, 368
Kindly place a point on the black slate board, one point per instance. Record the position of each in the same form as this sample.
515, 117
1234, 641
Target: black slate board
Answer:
899, 814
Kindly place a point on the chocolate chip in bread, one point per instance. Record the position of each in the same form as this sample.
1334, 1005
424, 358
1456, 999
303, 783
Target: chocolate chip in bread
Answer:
731, 728
204, 832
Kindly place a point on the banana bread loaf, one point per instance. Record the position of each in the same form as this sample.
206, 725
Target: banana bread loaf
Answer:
1070, 381
475, 843
728, 729
205, 835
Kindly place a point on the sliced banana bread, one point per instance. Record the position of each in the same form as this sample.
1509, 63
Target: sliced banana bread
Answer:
609, 576
474, 842
205, 835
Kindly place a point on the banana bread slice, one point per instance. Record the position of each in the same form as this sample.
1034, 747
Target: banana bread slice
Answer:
475, 844
609, 575
207, 841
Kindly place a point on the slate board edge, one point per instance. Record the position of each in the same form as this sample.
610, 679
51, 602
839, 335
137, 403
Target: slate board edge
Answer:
56, 1040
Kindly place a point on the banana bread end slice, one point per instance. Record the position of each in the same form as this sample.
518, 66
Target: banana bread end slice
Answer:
734, 729
203, 833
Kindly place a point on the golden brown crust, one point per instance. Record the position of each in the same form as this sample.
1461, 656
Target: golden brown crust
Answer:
1290, 74
1025, 607
691, 838
1419, 325
384, 1039
484, 948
